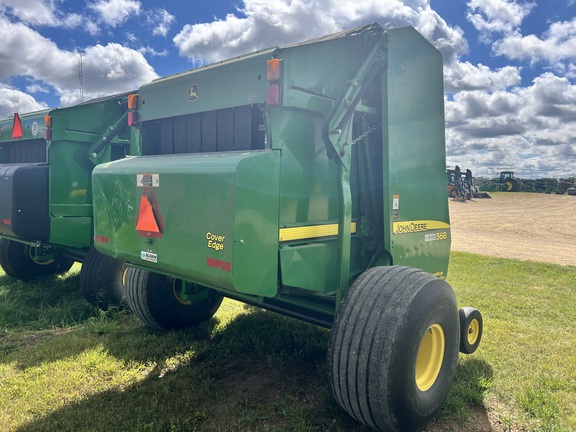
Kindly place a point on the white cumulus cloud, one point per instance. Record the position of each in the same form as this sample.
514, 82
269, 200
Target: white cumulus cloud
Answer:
35, 12
557, 47
263, 23
498, 15
161, 21
115, 12
13, 100
531, 127
107, 69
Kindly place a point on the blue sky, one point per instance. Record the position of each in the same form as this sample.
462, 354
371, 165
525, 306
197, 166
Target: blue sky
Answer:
509, 65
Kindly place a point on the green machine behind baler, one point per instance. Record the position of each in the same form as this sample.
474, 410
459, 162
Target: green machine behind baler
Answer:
46, 162
308, 180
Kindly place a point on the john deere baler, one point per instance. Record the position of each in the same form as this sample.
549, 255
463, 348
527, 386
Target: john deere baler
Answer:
308, 180
46, 162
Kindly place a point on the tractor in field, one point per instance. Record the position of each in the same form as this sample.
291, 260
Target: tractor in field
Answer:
506, 182
308, 180
572, 189
46, 219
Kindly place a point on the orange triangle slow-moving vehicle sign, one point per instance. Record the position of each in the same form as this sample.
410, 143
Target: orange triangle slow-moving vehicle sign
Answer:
149, 222
17, 127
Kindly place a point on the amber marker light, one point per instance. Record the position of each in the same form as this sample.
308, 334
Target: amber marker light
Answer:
274, 70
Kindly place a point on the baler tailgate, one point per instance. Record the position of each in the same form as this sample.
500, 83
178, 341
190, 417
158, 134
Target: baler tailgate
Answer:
209, 218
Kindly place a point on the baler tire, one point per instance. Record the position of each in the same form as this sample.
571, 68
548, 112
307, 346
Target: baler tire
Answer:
16, 261
471, 329
151, 296
101, 280
377, 342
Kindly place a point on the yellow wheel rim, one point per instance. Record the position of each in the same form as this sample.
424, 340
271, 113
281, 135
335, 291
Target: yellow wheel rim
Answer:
178, 291
42, 263
473, 331
124, 277
430, 357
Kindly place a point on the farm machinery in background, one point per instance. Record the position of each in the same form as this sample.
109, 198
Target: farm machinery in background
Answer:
572, 189
46, 212
507, 182
462, 185
550, 185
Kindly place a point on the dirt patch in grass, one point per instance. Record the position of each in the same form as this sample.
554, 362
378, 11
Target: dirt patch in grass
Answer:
525, 226
258, 396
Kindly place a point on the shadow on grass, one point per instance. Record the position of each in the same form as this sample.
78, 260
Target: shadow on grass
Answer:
41, 304
261, 371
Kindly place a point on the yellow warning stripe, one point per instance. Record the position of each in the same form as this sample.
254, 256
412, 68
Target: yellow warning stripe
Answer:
415, 226
311, 231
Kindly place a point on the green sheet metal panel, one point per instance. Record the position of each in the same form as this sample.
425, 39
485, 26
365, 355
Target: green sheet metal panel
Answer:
228, 84
32, 126
75, 232
304, 266
314, 76
416, 209
75, 130
217, 217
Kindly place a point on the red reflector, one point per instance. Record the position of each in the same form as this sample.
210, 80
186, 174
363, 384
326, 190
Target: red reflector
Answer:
48, 121
132, 118
101, 239
146, 220
149, 222
273, 95
47, 134
17, 127
224, 265
6, 222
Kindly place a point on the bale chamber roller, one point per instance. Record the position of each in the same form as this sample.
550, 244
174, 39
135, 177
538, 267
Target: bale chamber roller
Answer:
46, 162
308, 180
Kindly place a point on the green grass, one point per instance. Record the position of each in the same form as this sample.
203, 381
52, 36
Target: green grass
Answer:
529, 339
66, 366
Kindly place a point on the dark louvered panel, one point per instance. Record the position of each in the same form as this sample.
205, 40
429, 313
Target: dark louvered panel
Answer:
239, 128
28, 151
210, 131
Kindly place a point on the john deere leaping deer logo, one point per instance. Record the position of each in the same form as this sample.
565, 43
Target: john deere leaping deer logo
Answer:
193, 93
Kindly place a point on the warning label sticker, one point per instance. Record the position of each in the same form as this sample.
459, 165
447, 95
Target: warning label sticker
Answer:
148, 180
149, 256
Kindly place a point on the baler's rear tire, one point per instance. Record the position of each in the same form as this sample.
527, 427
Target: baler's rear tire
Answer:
101, 280
471, 329
394, 347
158, 301
17, 261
